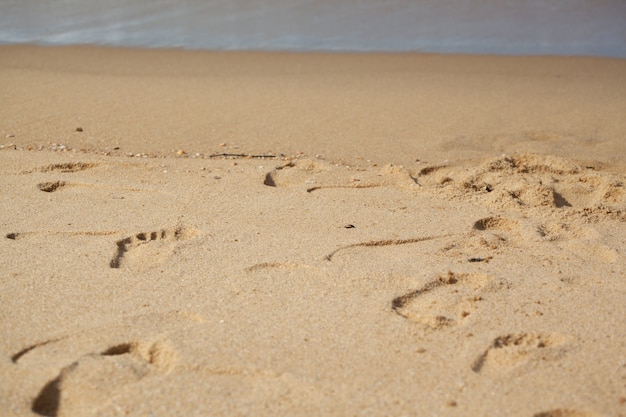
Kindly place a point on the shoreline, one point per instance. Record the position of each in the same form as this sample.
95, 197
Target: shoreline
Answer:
380, 52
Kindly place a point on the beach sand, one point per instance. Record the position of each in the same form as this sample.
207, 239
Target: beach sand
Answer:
197, 233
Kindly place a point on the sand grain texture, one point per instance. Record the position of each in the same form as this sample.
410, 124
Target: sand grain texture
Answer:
430, 236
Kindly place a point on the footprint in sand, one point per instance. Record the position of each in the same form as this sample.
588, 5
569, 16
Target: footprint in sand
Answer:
63, 167
301, 172
449, 300
155, 246
565, 231
86, 384
488, 236
102, 371
318, 175
494, 232
509, 352
592, 189
496, 224
71, 167
51, 186
581, 241
531, 181
79, 373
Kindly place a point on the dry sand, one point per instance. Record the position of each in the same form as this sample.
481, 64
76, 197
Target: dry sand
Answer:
432, 235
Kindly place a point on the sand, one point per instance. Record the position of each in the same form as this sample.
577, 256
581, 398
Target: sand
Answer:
196, 233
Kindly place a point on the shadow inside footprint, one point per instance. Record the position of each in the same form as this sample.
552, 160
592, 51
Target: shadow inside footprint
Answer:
269, 180
560, 201
47, 402
83, 386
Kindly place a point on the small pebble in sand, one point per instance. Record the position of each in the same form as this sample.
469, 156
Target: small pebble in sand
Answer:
180, 152
79, 129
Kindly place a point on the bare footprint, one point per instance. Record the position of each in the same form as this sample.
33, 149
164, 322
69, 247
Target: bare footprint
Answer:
148, 245
85, 385
449, 300
298, 173
487, 236
63, 167
318, 175
84, 374
593, 189
79, 372
495, 232
564, 231
512, 351
53, 186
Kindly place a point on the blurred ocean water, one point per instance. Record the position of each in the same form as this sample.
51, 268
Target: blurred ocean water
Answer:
514, 27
